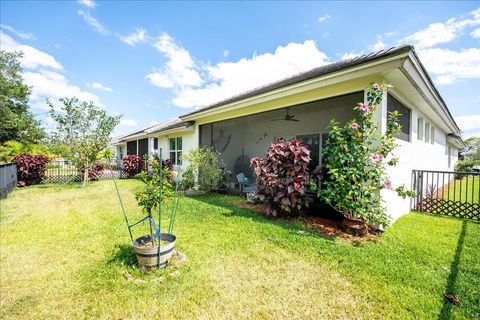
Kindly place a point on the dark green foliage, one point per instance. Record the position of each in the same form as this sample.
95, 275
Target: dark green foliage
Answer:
17, 123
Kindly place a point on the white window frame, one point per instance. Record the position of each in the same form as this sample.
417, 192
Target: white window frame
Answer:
420, 129
427, 132
176, 150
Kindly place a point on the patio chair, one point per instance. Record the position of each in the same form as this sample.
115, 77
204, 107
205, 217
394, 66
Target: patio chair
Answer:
245, 185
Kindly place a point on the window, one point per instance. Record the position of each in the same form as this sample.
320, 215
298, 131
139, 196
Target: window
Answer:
155, 143
427, 132
175, 150
432, 135
143, 148
403, 117
420, 128
449, 156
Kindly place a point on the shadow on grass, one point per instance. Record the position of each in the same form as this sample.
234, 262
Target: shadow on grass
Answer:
446, 312
234, 210
123, 255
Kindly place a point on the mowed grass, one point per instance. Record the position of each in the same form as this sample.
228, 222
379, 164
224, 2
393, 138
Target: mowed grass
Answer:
466, 189
65, 251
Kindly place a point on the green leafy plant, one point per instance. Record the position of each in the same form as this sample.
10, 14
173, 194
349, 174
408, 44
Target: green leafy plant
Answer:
204, 169
465, 166
355, 157
10, 149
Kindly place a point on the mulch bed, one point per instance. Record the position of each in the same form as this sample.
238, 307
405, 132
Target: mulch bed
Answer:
317, 224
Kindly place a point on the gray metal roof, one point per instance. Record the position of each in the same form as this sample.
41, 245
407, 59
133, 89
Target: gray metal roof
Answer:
320, 71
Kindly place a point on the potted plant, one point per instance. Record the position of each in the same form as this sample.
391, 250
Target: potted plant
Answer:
157, 187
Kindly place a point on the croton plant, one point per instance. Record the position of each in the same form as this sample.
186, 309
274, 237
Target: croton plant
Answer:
283, 177
30, 169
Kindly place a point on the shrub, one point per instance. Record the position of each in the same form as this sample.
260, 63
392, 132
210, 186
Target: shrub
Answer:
283, 177
355, 158
30, 169
10, 149
94, 172
167, 164
465, 166
132, 165
205, 165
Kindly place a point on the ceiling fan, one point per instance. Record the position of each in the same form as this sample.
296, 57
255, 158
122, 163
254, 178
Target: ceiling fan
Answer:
288, 117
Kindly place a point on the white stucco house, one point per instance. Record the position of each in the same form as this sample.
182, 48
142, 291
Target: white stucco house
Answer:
302, 106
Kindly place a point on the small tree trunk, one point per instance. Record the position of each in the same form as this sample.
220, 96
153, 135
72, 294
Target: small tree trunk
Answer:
85, 174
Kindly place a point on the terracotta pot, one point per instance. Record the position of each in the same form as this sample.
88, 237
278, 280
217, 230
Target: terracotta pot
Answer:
147, 256
355, 226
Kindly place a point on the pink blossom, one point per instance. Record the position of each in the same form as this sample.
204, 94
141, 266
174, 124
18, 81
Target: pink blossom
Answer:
376, 157
354, 125
388, 184
376, 86
364, 106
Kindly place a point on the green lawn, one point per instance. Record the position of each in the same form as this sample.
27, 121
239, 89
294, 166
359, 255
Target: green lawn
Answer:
469, 187
65, 251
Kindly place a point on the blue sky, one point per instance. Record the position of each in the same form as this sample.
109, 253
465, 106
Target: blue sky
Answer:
152, 61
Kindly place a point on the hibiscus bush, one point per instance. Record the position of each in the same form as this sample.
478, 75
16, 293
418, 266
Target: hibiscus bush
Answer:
132, 165
30, 169
355, 157
283, 177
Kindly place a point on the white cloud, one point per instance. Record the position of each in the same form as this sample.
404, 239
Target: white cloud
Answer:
88, 3
128, 122
475, 33
379, 45
32, 57
20, 34
94, 23
226, 53
449, 65
470, 122
138, 36
99, 86
437, 33
53, 85
227, 79
323, 18
179, 71
325, 35
351, 55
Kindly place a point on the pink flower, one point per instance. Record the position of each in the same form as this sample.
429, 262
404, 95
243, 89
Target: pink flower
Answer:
376, 86
364, 106
354, 125
376, 157
388, 184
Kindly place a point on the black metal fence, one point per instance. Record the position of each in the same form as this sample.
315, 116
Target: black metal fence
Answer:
64, 171
8, 178
447, 193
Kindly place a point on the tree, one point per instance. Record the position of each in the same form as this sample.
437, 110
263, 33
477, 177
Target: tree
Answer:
17, 122
472, 151
84, 129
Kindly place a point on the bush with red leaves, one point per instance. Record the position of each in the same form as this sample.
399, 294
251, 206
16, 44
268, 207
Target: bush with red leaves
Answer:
132, 165
283, 177
30, 169
167, 164
93, 173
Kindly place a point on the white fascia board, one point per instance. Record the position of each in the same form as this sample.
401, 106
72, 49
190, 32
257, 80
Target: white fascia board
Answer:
360, 71
414, 73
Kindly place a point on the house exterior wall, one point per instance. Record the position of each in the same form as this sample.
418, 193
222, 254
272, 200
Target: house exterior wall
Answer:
416, 155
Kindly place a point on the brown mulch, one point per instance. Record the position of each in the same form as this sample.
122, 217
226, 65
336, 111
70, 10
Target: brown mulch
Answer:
319, 225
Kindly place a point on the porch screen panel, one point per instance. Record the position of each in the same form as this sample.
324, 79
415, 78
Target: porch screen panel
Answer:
132, 147
206, 135
142, 147
403, 118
